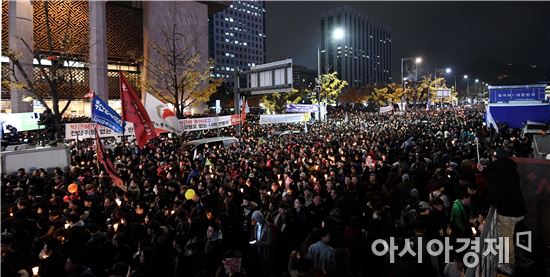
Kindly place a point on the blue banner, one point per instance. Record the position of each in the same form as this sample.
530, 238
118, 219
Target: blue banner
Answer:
301, 108
505, 94
104, 115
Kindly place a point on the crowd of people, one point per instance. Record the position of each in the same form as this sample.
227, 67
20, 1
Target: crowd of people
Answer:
303, 204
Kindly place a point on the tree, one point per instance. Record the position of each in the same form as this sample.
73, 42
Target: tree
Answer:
177, 74
331, 87
276, 102
356, 95
55, 76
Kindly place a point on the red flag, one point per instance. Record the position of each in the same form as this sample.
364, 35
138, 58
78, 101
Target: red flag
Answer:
133, 111
106, 162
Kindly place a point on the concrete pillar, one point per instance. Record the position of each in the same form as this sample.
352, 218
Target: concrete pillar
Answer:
98, 49
20, 27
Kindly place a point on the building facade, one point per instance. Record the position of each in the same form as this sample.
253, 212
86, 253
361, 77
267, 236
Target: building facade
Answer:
109, 36
361, 54
303, 78
237, 38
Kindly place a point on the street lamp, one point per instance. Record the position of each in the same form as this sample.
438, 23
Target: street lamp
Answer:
417, 60
337, 34
467, 86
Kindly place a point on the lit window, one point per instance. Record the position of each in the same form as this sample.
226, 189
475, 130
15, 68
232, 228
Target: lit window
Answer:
230, 19
226, 40
244, 43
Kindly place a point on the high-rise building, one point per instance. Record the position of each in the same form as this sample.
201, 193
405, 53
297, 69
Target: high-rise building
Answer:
303, 78
237, 38
354, 46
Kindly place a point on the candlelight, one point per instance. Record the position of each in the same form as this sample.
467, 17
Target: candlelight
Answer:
242, 190
118, 202
474, 231
67, 225
115, 226
11, 214
280, 182
326, 176
122, 221
269, 193
172, 212
278, 176
35, 271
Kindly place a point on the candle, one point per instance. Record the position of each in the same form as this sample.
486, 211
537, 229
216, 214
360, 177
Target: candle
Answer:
242, 190
35, 271
118, 202
115, 226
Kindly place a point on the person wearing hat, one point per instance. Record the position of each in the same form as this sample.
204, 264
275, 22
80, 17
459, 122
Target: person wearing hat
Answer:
506, 196
262, 239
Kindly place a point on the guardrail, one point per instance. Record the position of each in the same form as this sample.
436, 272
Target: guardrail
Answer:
488, 264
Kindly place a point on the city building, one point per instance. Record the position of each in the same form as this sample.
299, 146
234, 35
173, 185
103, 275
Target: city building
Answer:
355, 46
109, 36
237, 38
303, 78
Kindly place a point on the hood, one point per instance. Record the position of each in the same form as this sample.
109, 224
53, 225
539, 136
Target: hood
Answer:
258, 217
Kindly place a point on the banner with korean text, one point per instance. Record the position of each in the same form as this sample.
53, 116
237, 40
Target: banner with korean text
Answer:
87, 130
386, 109
206, 123
284, 118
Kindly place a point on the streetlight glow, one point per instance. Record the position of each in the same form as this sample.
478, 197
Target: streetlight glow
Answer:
465, 76
448, 70
418, 60
338, 34
477, 80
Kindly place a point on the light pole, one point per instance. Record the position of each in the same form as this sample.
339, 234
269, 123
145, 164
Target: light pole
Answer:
446, 70
467, 86
417, 61
337, 34
476, 91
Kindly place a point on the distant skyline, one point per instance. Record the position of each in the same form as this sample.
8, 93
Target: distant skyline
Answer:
444, 34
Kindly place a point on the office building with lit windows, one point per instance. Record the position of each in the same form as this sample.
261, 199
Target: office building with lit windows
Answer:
356, 47
237, 38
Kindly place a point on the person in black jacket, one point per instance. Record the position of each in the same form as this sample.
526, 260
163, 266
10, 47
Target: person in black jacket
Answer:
506, 196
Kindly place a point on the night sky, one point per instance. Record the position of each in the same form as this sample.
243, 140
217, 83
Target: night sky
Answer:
454, 34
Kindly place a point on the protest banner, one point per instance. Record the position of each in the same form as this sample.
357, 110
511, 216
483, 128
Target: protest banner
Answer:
284, 118
87, 130
302, 108
206, 123
386, 109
